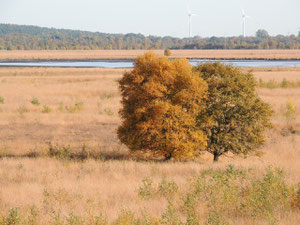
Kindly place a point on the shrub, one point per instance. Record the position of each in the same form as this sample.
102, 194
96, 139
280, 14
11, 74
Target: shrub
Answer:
235, 118
146, 191
126, 218
161, 99
291, 111
1, 100
35, 101
22, 109
46, 109
167, 52
234, 192
75, 108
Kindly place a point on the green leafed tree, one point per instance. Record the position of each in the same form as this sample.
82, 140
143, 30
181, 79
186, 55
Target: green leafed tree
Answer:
235, 117
160, 103
261, 33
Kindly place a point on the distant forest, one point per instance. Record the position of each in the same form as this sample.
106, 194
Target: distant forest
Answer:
21, 37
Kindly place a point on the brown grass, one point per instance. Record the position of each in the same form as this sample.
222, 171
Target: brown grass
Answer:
131, 54
106, 186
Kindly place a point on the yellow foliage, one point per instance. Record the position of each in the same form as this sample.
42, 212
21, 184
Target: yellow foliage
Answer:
161, 100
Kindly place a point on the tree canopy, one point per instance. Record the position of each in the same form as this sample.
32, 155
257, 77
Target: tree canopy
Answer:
235, 117
178, 111
261, 33
22, 37
161, 100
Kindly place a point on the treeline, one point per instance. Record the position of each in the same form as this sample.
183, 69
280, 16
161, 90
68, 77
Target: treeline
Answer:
21, 37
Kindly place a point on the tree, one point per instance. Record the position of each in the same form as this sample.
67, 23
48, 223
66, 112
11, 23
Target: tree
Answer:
235, 117
167, 52
262, 33
161, 99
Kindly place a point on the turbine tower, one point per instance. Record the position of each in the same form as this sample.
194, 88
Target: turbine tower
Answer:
190, 15
244, 17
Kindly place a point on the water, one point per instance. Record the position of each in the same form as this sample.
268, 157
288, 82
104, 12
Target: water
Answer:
129, 63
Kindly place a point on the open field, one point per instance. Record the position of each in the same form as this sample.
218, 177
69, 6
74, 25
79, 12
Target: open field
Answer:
131, 54
76, 110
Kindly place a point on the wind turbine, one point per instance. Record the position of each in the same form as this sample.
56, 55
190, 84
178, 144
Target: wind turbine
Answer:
190, 15
244, 17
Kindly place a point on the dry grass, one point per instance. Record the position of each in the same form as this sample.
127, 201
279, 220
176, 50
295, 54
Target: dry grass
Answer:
110, 183
131, 54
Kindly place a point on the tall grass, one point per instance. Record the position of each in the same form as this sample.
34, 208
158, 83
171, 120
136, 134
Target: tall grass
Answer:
214, 196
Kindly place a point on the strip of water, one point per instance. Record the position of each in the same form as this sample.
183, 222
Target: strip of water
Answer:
129, 63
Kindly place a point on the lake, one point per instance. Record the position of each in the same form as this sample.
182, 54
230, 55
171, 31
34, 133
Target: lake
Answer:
113, 63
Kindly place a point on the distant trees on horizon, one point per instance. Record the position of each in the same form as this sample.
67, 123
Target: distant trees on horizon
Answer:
22, 37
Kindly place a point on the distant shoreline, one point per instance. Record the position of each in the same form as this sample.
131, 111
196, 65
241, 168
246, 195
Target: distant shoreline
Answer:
74, 55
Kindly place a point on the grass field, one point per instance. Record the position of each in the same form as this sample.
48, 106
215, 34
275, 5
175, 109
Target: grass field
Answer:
74, 112
131, 54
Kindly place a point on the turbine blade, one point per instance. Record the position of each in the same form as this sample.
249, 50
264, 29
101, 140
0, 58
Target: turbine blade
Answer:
188, 7
243, 11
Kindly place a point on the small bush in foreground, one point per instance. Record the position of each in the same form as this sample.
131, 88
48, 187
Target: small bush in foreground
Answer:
1, 100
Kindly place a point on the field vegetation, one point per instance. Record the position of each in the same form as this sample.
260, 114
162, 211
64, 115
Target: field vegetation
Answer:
283, 54
61, 161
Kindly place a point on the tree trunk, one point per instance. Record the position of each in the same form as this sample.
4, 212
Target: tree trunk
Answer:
216, 157
168, 157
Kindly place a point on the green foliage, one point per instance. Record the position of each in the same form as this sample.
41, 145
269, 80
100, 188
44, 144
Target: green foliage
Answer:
167, 188
146, 191
46, 109
32, 216
13, 218
108, 112
161, 99
296, 198
22, 109
1, 100
35, 101
72, 219
170, 216
290, 111
60, 152
212, 197
126, 218
215, 219
235, 192
106, 96
283, 84
235, 117
78, 106
262, 33
16, 37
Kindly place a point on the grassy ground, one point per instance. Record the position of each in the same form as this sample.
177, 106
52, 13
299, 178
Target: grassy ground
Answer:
74, 112
131, 54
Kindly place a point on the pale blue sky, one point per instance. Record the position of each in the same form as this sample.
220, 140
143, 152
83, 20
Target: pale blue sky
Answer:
156, 17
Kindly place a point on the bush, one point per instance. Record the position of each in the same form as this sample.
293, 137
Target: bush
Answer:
35, 101
161, 99
167, 52
46, 109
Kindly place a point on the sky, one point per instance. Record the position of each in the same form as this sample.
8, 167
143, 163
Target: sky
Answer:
157, 17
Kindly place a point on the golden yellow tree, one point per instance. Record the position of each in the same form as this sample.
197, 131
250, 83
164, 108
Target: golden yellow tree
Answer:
161, 100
